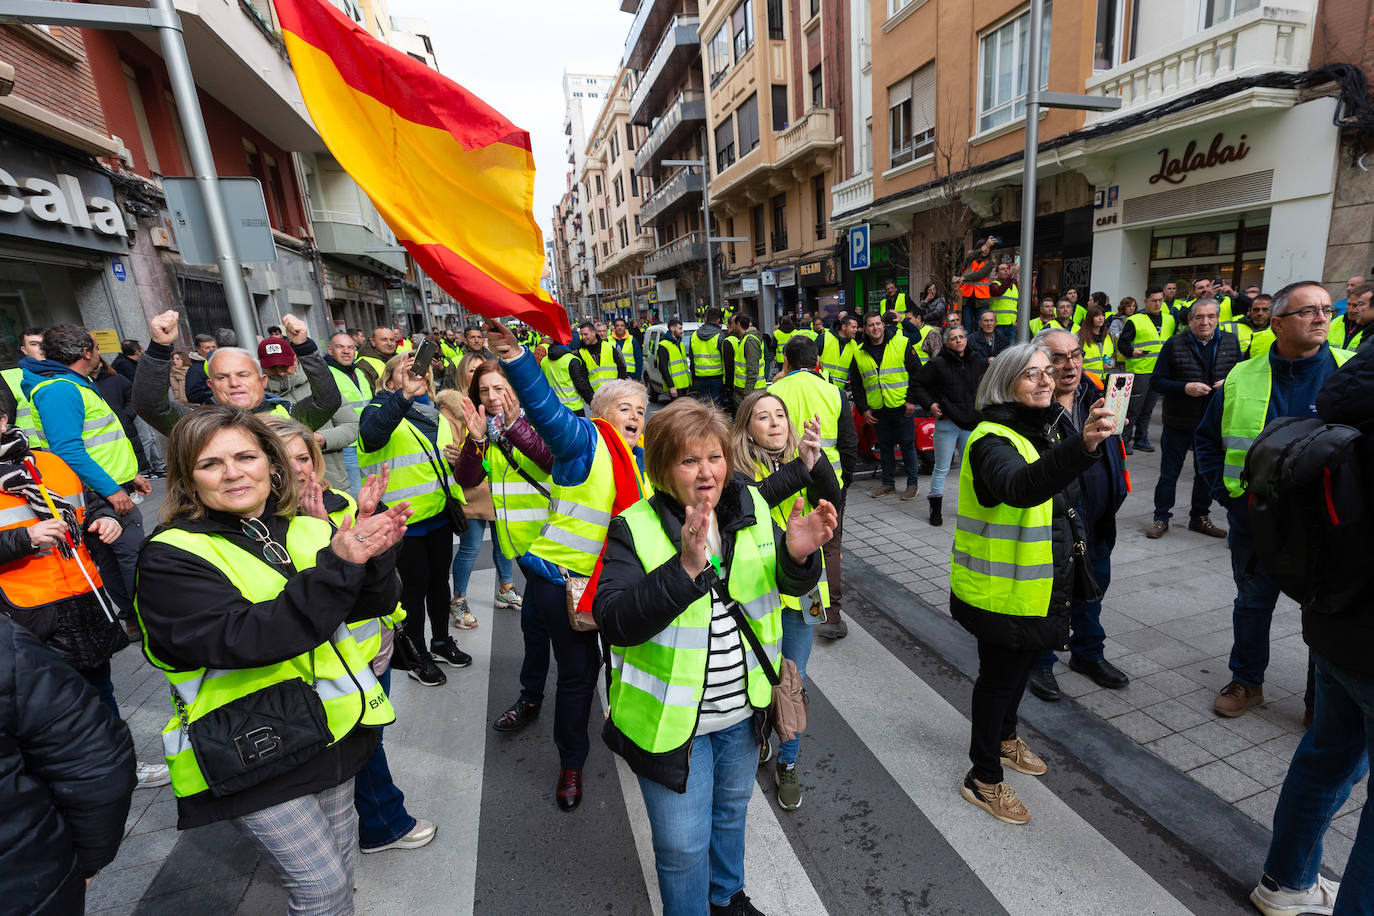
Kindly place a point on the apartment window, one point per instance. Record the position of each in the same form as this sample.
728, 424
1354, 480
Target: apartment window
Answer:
615, 146
896, 6
605, 250
634, 184
725, 145
817, 87
760, 237
622, 230
775, 20
911, 116
629, 137
145, 134
618, 190
598, 187
779, 208
742, 27
1215, 11
747, 119
718, 53
1004, 67
815, 7
180, 133
730, 231
601, 218
1105, 38
779, 100
818, 187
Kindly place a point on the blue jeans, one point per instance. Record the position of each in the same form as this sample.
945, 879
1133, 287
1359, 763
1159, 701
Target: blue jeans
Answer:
712, 388
1086, 636
699, 835
355, 471
1332, 757
948, 437
1256, 595
381, 806
465, 558
796, 645
1174, 445
895, 428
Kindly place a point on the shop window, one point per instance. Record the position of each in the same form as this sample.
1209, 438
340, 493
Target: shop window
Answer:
1004, 66
1217, 11
778, 98
759, 231
911, 116
747, 121
742, 27
775, 20
725, 144
779, 208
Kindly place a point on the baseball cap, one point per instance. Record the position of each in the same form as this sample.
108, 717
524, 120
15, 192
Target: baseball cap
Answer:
275, 351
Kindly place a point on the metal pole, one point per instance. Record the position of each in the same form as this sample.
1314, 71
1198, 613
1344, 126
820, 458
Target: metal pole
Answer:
424, 299
1028, 175
203, 168
706, 212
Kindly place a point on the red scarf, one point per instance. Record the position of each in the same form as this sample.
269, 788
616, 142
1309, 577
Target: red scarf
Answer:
628, 490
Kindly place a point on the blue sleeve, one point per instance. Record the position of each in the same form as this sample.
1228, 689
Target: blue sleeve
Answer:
62, 414
380, 418
1209, 451
1160, 377
571, 439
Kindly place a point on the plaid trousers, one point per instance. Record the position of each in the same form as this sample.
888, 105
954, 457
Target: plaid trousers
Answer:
312, 842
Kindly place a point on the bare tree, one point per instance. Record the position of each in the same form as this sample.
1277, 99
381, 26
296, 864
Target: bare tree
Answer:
951, 219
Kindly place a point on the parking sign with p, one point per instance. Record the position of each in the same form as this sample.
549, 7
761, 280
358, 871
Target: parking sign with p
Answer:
858, 247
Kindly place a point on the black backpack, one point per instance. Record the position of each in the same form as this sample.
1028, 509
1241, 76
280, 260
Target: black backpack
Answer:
1310, 510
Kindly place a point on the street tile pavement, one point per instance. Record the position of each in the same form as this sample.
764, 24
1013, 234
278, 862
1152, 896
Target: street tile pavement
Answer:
1167, 614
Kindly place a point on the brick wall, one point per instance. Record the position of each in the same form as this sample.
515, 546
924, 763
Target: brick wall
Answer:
51, 69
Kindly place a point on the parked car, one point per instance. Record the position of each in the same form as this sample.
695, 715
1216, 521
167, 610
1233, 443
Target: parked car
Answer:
657, 332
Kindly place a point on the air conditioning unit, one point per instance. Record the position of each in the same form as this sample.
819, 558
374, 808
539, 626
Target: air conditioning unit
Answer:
161, 237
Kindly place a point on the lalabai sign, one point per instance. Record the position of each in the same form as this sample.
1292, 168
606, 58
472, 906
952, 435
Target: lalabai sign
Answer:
1175, 169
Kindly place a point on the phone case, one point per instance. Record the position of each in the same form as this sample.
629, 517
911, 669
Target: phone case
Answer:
1118, 397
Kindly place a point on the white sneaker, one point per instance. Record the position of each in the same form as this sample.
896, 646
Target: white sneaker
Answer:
509, 599
152, 775
1317, 900
419, 836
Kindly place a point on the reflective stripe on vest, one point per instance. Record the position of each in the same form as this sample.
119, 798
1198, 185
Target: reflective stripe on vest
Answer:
338, 669
657, 686
738, 349
101, 432
355, 395
521, 510
37, 579
1099, 357
1245, 411
413, 461
24, 416
558, 373
884, 385
707, 361
1003, 557
679, 374
808, 395
392, 620
627, 353
1148, 338
837, 358
603, 370
921, 354
818, 599
1005, 306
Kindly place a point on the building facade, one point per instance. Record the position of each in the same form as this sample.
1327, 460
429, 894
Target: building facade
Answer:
584, 95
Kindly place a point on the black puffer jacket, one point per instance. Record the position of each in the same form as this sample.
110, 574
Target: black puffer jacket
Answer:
66, 775
1001, 475
632, 605
951, 381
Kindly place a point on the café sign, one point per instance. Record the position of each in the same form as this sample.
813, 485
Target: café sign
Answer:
1175, 169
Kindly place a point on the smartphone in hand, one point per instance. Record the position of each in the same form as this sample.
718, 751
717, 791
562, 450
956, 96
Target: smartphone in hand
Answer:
424, 357
1118, 398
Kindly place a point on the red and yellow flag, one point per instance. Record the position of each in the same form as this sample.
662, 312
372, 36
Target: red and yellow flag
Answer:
450, 175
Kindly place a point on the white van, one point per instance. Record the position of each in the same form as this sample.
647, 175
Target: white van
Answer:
652, 380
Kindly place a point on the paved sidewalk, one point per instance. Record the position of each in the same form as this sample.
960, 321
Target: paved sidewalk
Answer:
1167, 615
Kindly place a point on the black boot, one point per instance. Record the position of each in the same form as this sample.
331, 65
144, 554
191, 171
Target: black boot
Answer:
935, 517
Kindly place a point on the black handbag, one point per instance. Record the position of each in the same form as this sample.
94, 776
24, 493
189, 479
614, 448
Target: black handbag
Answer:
254, 738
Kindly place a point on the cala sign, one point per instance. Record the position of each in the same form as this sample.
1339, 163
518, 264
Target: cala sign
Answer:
1175, 169
60, 202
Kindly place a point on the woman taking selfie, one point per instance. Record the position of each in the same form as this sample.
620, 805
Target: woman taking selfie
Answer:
1013, 573
244, 606
688, 688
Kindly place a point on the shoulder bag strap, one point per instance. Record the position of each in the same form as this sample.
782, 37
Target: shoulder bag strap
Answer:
746, 631
510, 459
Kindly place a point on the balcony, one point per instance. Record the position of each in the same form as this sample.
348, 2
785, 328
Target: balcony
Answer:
677, 49
637, 248
814, 133
691, 247
357, 238
685, 115
644, 33
1267, 39
670, 194
852, 195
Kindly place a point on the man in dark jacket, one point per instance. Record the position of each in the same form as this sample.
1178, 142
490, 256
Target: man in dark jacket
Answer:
1102, 488
126, 363
1190, 369
68, 765
1333, 752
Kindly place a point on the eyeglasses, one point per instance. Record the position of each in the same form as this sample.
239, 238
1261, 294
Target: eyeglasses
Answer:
1034, 374
1063, 359
271, 550
1310, 313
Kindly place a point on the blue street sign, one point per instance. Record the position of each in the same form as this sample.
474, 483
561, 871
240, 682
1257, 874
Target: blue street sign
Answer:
118, 268
858, 248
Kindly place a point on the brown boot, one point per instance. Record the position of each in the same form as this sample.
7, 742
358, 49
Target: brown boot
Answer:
1157, 529
1203, 525
884, 490
1235, 698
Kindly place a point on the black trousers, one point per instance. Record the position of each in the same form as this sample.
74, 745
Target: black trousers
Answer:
424, 563
1002, 675
544, 622
895, 429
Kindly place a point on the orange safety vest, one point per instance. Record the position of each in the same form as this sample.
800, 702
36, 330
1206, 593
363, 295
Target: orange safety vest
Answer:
977, 290
45, 577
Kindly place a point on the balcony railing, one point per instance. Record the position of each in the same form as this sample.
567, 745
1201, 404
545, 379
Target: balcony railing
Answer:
691, 247
686, 181
640, 246
1269, 38
678, 45
689, 106
854, 194
645, 27
815, 131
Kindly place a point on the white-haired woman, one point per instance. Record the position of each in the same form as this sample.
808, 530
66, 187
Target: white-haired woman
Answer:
598, 470
1014, 569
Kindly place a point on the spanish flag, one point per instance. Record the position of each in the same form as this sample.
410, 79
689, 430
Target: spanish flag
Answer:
452, 177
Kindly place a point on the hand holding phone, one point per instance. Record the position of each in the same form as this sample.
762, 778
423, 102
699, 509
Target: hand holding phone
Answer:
424, 358
1118, 398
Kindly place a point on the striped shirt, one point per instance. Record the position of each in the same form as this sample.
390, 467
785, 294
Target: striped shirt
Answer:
725, 701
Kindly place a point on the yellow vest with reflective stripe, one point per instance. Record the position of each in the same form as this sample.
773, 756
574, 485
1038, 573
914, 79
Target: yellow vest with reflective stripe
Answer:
1148, 338
627, 352
366, 633
338, 669
415, 465
24, 417
679, 376
808, 395
707, 360
885, 385
559, 375
780, 339
819, 598
355, 395
1005, 306
378, 366
602, 371
837, 358
657, 686
101, 432
921, 354
1099, 357
737, 348
521, 510
1003, 557
1244, 412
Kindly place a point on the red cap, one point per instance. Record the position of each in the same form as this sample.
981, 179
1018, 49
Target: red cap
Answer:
275, 351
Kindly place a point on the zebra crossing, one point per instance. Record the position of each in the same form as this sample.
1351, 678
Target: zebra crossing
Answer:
882, 828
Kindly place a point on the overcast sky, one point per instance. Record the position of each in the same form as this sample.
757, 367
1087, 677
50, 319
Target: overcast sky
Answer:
513, 53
